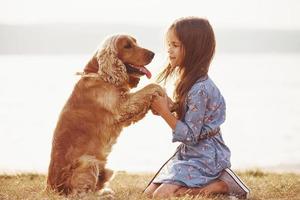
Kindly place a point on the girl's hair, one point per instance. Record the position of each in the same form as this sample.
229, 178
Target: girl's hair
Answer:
198, 42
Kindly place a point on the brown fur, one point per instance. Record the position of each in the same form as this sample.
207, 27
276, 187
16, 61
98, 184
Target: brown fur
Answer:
93, 117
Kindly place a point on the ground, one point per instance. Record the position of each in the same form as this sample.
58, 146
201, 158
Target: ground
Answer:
127, 186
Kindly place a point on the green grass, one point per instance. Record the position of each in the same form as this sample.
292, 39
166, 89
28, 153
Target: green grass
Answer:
263, 185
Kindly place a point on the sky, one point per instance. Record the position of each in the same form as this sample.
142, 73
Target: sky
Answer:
268, 14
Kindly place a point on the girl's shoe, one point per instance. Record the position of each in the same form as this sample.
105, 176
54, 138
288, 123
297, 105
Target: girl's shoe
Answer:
236, 187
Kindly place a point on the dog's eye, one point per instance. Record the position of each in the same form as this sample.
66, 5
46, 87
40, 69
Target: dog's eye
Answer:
127, 46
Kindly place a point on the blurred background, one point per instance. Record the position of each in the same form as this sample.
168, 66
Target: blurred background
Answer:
43, 43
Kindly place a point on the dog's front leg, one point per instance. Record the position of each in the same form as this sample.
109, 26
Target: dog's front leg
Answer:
138, 104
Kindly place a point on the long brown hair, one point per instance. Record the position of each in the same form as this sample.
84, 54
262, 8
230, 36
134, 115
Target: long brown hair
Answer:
198, 43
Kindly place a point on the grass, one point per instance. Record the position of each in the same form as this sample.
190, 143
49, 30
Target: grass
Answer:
263, 185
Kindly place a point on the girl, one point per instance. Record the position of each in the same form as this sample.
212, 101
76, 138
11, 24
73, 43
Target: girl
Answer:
201, 163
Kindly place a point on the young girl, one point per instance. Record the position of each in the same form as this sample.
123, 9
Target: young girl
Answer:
201, 163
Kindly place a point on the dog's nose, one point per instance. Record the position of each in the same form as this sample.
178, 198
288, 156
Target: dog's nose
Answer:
151, 54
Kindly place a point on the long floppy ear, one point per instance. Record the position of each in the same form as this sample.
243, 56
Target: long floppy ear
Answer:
92, 66
111, 68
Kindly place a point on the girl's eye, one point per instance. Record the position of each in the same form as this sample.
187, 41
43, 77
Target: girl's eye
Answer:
175, 45
127, 46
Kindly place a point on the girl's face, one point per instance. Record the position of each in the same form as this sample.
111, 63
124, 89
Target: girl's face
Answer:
175, 49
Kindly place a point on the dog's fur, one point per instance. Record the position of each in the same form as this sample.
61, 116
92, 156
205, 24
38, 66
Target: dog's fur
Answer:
93, 117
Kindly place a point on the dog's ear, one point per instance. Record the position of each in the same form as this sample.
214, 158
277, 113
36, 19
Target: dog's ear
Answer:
133, 81
111, 68
92, 66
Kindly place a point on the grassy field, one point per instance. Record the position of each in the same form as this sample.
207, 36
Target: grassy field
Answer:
264, 185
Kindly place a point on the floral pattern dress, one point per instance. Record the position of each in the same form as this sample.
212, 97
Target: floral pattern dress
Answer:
198, 161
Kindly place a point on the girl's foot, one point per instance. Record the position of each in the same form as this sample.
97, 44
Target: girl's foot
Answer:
236, 187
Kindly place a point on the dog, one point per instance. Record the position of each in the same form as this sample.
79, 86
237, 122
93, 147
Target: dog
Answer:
100, 106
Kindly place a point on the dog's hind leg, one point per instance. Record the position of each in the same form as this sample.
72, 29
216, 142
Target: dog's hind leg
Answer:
104, 176
84, 176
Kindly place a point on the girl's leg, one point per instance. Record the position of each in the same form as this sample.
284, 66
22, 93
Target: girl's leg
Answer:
150, 189
216, 187
165, 190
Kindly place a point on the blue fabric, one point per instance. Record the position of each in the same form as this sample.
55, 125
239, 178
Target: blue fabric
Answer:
198, 162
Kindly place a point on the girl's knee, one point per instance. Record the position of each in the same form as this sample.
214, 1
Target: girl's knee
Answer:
161, 194
165, 191
150, 189
148, 192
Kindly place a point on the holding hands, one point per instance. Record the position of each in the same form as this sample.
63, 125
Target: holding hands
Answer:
161, 105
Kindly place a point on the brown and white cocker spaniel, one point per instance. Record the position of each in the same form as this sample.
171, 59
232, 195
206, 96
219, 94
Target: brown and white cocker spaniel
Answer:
93, 117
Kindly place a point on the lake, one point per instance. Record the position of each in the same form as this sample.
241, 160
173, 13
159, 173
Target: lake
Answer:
262, 92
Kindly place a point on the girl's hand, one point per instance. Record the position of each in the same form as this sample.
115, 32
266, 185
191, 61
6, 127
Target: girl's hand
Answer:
170, 105
160, 105
153, 111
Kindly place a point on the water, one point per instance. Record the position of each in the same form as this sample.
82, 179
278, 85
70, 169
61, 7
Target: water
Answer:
262, 93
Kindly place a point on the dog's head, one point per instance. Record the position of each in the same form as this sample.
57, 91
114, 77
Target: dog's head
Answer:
120, 60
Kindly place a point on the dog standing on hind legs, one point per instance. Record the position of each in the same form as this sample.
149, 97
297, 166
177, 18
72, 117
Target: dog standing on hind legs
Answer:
96, 112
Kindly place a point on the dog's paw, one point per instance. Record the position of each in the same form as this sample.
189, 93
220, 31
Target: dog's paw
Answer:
156, 89
107, 194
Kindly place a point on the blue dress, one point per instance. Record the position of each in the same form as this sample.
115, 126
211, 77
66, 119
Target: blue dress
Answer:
198, 161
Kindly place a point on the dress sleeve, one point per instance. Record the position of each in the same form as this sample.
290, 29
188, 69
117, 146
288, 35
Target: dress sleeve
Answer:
188, 130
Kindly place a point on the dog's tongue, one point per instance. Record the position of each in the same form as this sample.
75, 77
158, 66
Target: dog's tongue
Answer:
146, 71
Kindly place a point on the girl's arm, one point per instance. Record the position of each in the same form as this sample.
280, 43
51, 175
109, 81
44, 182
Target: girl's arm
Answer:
191, 129
188, 130
161, 106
